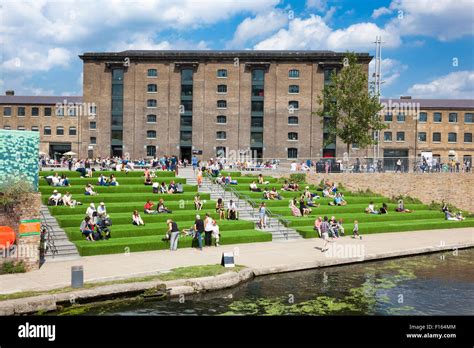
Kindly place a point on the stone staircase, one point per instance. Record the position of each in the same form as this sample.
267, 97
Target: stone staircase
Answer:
246, 211
58, 246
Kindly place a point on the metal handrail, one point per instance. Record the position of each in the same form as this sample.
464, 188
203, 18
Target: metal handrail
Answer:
48, 236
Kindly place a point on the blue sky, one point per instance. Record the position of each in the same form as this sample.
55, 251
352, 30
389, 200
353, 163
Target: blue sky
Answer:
428, 50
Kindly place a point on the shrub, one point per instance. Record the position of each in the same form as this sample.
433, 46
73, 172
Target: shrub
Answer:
12, 267
299, 178
406, 199
12, 190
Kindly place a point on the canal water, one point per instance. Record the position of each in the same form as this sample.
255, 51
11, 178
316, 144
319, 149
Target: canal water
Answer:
434, 284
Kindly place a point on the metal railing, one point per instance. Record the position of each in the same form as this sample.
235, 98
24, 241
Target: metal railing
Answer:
47, 237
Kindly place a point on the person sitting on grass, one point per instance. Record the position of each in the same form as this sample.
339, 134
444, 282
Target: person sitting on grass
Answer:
220, 208
64, 181
87, 229
317, 225
148, 208
231, 210
113, 181
69, 202
355, 230
254, 188
294, 186
137, 219
90, 210
179, 188
295, 211
102, 210
401, 207
286, 186
261, 181
172, 187
274, 194
310, 202
339, 199
89, 190
327, 193
453, 217
384, 209
163, 187
333, 188
55, 180
155, 187
161, 207
102, 180
266, 193
148, 180
371, 209
55, 198
197, 202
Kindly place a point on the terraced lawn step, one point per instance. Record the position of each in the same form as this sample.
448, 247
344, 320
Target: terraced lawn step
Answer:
290, 195
126, 218
122, 181
363, 217
95, 174
135, 188
132, 197
394, 226
148, 243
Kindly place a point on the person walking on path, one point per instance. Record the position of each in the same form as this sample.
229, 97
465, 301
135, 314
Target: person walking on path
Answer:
199, 228
199, 178
208, 228
174, 234
325, 233
355, 230
263, 217
398, 166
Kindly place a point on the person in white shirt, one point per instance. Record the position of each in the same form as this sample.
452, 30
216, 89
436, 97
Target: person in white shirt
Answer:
231, 210
208, 229
55, 180
55, 198
371, 209
293, 167
90, 210
68, 201
101, 210
216, 233
136, 219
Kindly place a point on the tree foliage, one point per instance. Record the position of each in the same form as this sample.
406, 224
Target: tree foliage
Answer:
349, 109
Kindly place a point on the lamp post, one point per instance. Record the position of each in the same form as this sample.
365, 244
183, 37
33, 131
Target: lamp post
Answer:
416, 139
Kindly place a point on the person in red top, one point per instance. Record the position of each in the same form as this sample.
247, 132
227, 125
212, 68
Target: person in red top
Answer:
148, 208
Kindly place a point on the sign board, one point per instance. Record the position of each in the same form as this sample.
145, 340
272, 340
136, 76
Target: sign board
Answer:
197, 152
227, 260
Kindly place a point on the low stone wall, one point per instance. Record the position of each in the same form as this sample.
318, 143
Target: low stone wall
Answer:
455, 188
27, 248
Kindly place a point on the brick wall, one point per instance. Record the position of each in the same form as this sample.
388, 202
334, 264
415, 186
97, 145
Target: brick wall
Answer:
455, 188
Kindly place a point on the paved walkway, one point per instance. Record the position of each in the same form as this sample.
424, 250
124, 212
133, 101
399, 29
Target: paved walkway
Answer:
298, 254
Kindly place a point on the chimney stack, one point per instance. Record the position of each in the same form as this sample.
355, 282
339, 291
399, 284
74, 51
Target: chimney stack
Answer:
405, 97
10, 92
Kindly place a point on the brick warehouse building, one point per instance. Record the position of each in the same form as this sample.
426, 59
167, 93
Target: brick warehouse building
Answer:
55, 117
177, 102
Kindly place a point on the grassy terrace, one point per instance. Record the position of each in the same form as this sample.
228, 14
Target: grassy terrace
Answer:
423, 218
132, 194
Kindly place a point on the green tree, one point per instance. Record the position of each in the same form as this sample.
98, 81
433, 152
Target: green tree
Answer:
349, 108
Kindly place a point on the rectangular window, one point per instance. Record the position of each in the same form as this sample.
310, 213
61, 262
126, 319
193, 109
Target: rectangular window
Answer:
423, 117
436, 137
34, 111
388, 117
47, 131
452, 137
21, 111
187, 105
72, 131
256, 138
222, 73
34, 128
468, 137
187, 75
437, 117
59, 131
453, 117
47, 111
293, 89
71, 110
152, 88
93, 140
422, 136
294, 74
258, 75
468, 117
59, 110
7, 111
257, 106
257, 91
187, 90
186, 136
151, 150
400, 136
401, 117
292, 153
256, 122
7, 127
92, 125
152, 73
117, 90
117, 120
387, 136
117, 74
186, 121
21, 128
222, 89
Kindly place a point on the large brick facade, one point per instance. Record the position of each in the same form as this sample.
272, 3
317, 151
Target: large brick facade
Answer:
239, 65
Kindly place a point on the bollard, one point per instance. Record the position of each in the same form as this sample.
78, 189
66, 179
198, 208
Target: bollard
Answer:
77, 277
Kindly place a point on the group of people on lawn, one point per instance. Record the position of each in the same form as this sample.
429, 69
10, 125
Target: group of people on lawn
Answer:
96, 223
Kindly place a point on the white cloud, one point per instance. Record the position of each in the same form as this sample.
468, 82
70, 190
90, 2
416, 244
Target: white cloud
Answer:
443, 19
380, 12
455, 85
258, 26
314, 33
144, 41
391, 69
318, 5
35, 61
